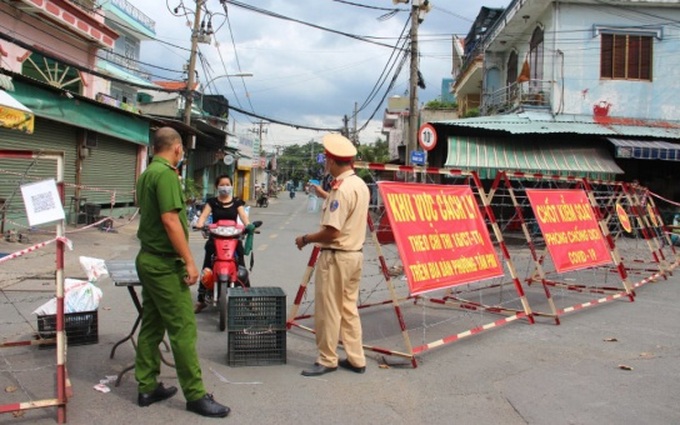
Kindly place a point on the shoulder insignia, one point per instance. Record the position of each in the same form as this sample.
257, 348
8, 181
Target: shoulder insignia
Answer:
336, 184
334, 205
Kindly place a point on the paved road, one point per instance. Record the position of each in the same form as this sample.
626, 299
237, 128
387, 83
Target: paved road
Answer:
516, 374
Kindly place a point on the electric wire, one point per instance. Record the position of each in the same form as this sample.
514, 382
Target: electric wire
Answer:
238, 61
298, 21
81, 68
27, 23
383, 75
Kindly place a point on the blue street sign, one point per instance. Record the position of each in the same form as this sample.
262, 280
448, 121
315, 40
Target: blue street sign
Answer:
417, 157
320, 158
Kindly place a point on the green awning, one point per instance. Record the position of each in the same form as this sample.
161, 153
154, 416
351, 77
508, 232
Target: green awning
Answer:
487, 155
82, 113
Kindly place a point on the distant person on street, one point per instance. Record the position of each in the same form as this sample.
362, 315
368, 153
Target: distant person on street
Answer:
338, 269
166, 269
225, 206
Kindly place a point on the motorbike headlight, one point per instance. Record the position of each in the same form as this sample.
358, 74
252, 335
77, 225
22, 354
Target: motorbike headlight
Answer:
225, 231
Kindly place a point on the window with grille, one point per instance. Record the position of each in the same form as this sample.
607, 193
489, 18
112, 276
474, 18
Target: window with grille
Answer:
626, 57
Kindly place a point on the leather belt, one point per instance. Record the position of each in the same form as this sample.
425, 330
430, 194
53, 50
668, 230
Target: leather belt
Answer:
340, 250
161, 254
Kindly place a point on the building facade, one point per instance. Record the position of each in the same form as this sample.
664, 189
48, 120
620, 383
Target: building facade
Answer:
552, 75
50, 50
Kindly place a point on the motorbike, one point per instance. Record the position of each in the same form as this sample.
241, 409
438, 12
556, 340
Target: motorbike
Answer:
226, 271
292, 194
263, 200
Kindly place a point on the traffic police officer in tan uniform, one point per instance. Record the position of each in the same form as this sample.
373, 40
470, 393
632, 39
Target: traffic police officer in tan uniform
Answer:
338, 269
166, 269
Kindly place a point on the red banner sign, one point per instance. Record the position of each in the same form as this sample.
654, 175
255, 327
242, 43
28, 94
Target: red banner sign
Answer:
440, 234
569, 228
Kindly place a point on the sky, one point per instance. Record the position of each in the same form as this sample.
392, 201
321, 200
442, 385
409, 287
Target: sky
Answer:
302, 75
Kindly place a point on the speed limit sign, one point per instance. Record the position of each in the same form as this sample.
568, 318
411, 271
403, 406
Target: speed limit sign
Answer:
427, 137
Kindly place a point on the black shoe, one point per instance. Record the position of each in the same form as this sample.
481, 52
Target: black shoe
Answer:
345, 364
317, 370
207, 406
200, 306
159, 394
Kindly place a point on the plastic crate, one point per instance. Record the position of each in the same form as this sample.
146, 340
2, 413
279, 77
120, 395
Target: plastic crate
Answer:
256, 348
257, 308
81, 328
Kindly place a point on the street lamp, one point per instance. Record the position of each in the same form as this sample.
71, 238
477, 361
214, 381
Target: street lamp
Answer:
240, 74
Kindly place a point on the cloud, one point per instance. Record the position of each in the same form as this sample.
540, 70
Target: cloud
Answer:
305, 75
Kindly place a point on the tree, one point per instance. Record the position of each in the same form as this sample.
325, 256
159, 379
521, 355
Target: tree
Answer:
378, 152
439, 104
299, 163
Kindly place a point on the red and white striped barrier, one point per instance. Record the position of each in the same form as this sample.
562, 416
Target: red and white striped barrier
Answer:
460, 172
35, 248
675, 204
80, 229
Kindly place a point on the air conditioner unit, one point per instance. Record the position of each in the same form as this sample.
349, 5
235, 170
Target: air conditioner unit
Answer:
91, 139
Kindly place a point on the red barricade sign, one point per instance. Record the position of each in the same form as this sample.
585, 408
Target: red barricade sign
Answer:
569, 228
440, 234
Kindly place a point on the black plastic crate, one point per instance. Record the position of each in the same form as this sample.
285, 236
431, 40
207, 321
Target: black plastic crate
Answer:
256, 348
92, 209
81, 328
257, 308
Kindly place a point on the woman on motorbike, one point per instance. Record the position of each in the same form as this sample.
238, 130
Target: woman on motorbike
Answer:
222, 207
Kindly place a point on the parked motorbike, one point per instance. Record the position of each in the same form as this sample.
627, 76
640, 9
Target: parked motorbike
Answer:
263, 200
226, 271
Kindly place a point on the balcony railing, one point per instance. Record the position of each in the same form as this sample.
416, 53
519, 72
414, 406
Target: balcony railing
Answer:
127, 63
529, 94
135, 13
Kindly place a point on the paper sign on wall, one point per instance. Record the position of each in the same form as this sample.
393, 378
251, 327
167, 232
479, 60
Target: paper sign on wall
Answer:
42, 202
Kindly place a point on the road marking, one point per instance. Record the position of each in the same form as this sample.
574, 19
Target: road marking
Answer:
262, 247
274, 236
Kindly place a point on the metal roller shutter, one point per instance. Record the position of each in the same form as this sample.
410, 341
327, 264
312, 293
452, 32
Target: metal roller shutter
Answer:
48, 135
111, 165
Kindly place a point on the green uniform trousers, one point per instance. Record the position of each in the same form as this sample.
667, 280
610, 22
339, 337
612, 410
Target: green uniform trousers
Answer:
167, 306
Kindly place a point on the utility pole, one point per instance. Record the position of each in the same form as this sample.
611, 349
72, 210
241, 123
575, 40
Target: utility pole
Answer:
355, 136
345, 126
259, 130
413, 84
192, 63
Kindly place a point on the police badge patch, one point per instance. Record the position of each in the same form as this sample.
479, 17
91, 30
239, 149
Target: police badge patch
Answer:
334, 205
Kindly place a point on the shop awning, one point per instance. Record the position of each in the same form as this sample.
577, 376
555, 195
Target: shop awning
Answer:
488, 155
14, 115
83, 112
645, 149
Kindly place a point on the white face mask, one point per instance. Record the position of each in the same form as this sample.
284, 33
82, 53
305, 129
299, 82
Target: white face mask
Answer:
225, 190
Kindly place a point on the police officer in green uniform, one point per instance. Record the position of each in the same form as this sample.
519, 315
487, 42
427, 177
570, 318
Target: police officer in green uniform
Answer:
166, 270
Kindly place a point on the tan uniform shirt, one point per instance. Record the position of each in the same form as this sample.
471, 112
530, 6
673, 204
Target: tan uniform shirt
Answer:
346, 209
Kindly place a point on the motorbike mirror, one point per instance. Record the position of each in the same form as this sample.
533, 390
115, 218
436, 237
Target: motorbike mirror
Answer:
257, 223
